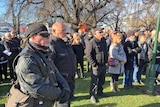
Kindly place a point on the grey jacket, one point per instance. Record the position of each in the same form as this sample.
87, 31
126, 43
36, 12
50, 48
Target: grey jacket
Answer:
37, 78
96, 52
117, 52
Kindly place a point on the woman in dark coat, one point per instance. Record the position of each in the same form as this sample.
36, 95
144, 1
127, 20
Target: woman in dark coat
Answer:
79, 52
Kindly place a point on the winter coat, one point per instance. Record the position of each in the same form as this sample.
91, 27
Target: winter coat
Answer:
13, 47
130, 54
64, 58
158, 54
96, 52
38, 77
150, 53
117, 52
3, 57
143, 55
79, 51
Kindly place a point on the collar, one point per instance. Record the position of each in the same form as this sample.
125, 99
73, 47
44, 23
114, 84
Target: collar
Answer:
97, 40
38, 47
63, 40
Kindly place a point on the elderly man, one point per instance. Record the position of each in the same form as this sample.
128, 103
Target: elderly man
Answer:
96, 54
15, 38
63, 56
38, 76
12, 47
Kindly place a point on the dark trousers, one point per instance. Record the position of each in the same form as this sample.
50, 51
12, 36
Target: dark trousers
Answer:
114, 78
81, 67
88, 67
11, 73
3, 70
97, 79
141, 69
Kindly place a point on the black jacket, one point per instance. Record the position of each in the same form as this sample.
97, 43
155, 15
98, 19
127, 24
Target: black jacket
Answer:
130, 54
150, 53
158, 54
3, 57
63, 57
13, 47
38, 76
96, 52
79, 51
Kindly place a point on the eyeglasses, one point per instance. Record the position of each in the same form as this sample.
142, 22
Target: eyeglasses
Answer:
44, 34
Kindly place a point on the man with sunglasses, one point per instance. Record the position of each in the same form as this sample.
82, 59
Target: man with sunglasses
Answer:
96, 54
36, 73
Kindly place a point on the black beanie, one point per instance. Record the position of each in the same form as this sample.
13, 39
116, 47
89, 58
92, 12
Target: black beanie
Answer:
34, 29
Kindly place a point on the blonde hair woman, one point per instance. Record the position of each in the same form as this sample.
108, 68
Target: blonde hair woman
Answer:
116, 51
79, 52
153, 35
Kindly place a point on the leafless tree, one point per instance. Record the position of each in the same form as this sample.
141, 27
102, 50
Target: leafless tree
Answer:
141, 13
84, 12
14, 12
88, 12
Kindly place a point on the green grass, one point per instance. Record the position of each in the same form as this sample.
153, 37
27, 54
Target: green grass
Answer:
134, 97
126, 98
4, 88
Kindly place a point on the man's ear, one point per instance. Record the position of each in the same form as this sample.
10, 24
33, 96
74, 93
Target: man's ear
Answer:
53, 30
94, 33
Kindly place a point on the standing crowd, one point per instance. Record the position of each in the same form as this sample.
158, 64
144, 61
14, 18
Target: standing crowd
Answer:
46, 65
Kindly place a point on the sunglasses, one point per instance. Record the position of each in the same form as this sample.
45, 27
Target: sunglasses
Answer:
44, 34
100, 32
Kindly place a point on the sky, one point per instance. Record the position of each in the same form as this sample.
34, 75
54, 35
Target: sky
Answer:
2, 7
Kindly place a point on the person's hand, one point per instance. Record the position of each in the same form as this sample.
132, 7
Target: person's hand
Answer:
134, 50
64, 96
96, 67
123, 62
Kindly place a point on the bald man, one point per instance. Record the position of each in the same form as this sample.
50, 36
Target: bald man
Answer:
63, 57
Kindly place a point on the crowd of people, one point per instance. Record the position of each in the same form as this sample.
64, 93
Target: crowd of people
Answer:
49, 63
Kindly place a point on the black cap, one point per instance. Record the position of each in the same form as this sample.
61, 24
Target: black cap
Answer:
34, 29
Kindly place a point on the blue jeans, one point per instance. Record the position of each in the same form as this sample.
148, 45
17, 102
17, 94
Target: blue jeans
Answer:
135, 74
141, 69
128, 77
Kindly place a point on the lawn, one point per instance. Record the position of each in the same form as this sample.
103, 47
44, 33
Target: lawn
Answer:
134, 97
4, 88
126, 98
